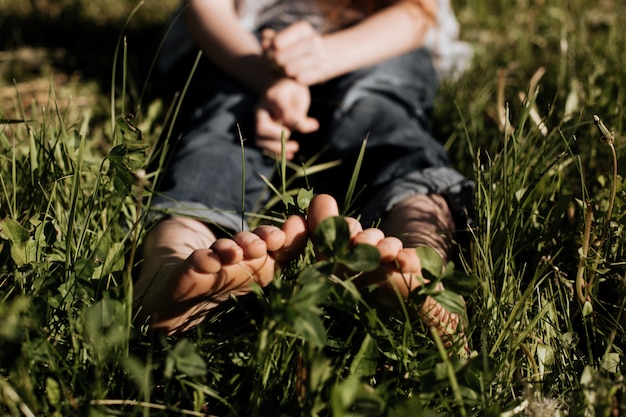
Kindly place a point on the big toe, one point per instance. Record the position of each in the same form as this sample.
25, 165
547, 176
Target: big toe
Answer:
296, 236
322, 206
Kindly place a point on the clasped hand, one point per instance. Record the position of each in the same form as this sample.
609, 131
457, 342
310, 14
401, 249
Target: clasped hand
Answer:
298, 53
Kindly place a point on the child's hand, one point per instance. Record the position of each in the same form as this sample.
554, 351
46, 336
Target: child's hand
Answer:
298, 52
283, 109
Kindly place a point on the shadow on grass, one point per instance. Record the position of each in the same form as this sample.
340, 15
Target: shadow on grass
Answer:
40, 42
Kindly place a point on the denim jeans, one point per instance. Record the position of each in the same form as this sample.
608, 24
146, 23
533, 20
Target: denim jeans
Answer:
388, 103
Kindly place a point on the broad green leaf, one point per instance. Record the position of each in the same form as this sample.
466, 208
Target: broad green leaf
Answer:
138, 374
344, 394
413, 408
24, 253
332, 236
117, 153
610, 362
123, 159
53, 391
100, 253
450, 301
430, 260
23, 247
545, 354
589, 374
287, 199
459, 282
45, 232
136, 157
319, 371
84, 268
361, 258
13, 231
168, 371
13, 318
311, 294
187, 360
366, 360
122, 180
310, 326
352, 398
304, 198
310, 275
130, 132
105, 323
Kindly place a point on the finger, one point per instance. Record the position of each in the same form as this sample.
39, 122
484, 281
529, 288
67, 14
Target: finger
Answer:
297, 63
293, 35
269, 110
275, 147
299, 121
307, 125
269, 128
309, 75
298, 52
267, 37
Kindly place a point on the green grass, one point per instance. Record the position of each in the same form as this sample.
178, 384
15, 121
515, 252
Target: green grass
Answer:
542, 268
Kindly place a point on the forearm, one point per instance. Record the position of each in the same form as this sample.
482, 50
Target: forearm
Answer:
390, 32
216, 28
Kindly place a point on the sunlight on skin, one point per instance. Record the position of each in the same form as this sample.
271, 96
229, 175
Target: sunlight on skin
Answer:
400, 270
178, 284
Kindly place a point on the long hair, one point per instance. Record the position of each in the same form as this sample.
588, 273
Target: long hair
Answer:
342, 13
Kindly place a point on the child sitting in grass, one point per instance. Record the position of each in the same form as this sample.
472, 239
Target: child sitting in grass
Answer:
327, 74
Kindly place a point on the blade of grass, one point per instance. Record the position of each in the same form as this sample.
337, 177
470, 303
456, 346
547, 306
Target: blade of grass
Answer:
348, 200
121, 39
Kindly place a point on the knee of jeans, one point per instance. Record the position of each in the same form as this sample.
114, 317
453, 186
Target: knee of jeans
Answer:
381, 104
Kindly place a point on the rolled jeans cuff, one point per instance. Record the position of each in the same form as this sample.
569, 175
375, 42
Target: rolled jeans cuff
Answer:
456, 189
225, 220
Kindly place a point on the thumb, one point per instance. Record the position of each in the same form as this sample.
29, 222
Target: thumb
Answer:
307, 125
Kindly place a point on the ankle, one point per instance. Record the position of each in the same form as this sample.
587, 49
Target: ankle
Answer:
422, 220
166, 245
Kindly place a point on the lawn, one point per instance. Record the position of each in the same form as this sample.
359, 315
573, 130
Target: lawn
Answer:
537, 121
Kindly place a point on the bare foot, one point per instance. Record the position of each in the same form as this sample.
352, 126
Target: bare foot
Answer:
400, 270
178, 294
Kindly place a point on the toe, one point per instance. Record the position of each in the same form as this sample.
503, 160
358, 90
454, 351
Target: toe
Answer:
321, 207
296, 237
354, 226
369, 237
228, 250
205, 261
273, 237
408, 261
252, 245
389, 249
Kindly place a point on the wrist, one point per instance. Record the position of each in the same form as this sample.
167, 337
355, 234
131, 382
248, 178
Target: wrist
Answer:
329, 68
262, 74
337, 57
